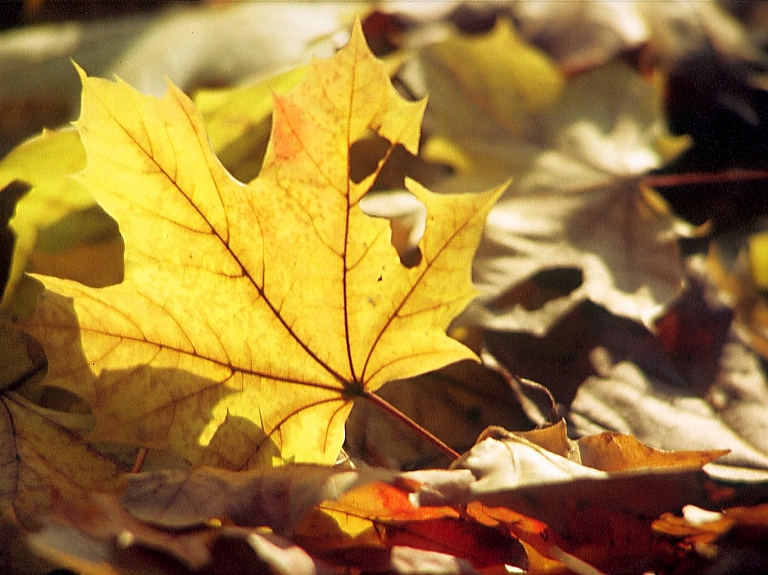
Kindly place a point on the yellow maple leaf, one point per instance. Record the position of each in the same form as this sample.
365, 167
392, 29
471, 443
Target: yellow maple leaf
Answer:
252, 315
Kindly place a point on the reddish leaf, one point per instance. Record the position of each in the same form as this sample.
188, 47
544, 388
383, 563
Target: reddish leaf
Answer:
694, 328
733, 541
364, 525
539, 541
602, 518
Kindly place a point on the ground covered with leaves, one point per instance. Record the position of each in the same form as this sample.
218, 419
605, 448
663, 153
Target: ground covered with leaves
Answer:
416, 306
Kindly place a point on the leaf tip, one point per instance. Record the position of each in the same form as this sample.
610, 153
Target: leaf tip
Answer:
358, 37
80, 72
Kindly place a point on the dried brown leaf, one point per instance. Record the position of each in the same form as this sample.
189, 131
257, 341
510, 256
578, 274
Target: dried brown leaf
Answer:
697, 386
276, 498
584, 507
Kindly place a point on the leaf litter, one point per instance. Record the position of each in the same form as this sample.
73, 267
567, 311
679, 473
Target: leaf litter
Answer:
535, 501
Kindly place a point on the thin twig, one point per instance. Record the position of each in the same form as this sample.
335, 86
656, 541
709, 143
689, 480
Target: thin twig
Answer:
140, 457
692, 178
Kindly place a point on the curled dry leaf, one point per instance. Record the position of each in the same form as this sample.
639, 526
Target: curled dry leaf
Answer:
252, 315
576, 149
366, 527
276, 498
579, 506
696, 387
609, 452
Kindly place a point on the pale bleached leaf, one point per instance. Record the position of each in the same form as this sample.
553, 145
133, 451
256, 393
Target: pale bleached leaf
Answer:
580, 35
276, 498
666, 413
575, 149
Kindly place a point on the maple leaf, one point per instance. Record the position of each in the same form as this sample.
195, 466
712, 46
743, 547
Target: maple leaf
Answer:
575, 206
252, 315
238, 120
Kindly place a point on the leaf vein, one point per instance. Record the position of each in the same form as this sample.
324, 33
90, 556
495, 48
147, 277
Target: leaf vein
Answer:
427, 267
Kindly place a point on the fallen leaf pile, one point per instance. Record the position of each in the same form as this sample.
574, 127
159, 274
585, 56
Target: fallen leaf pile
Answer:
240, 334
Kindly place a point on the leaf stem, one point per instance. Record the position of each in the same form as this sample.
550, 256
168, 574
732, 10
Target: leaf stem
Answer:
692, 178
140, 457
400, 416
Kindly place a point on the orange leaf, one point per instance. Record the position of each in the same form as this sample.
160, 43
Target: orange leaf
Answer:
567, 511
362, 526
